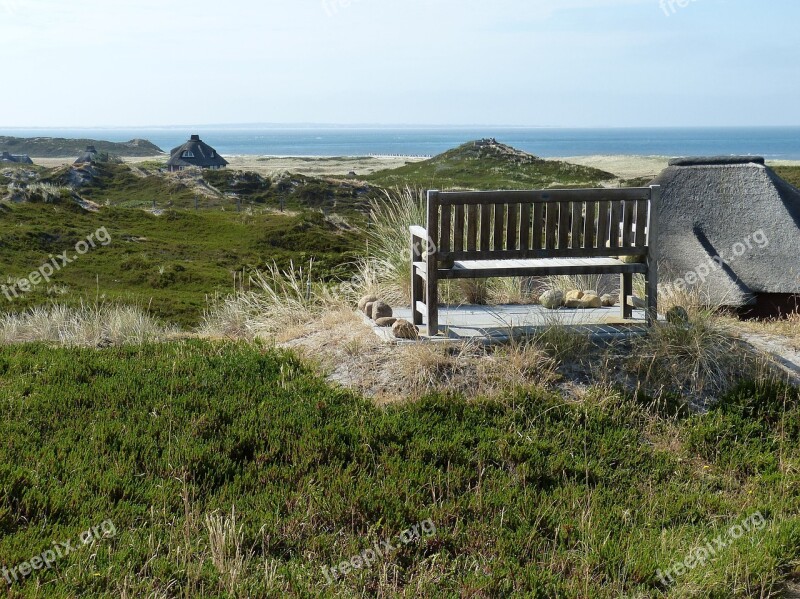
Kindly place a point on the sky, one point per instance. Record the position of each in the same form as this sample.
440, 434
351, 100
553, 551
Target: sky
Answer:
557, 63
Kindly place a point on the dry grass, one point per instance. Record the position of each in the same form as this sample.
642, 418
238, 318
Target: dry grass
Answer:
788, 327
225, 540
93, 326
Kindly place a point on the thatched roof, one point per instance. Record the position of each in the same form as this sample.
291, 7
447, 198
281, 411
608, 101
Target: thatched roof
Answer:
88, 157
736, 209
17, 158
195, 152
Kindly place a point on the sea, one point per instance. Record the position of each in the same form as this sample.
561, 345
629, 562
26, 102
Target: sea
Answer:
773, 143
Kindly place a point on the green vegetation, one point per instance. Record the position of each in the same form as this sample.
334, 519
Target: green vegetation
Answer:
487, 164
530, 494
790, 174
171, 264
56, 147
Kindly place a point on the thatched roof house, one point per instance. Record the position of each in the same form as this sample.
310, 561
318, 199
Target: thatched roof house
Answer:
88, 157
731, 226
16, 158
197, 153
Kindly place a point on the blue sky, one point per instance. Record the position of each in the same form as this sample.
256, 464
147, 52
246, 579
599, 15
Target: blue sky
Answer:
569, 63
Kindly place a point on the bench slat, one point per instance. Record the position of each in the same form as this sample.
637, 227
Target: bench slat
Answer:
641, 222
577, 225
591, 224
525, 227
486, 226
542, 195
472, 227
550, 225
458, 229
444, 236
563, 225
499, 220
616, 220
533, 254
511, 229
602, 224
537, 226
627, 223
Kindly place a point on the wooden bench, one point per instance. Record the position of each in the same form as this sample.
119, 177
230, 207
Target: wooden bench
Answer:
475, 235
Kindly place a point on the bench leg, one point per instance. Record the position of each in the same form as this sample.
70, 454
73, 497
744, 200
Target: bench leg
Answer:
625, 291
432, 303
651, 285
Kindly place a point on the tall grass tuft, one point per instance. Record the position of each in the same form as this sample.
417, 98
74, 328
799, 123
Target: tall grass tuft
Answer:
88, 325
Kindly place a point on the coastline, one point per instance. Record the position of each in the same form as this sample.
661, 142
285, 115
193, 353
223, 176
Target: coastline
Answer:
623, 166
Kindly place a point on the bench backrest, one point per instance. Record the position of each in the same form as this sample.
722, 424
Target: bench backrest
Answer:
479, 225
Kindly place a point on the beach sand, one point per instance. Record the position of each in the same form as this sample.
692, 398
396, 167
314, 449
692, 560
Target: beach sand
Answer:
624, 167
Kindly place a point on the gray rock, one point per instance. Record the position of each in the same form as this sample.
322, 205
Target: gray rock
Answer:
385, 322
381, 310
552, 299
677, 315
368, 309
609, 300
591, 300
402, 329
362, 303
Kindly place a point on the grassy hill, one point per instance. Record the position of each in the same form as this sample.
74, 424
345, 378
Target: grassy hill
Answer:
232, 470
57, 147
169, 264
487, 164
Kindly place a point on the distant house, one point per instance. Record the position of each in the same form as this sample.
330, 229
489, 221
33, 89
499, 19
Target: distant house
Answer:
88, 157
195, 153
732, 226
16, 158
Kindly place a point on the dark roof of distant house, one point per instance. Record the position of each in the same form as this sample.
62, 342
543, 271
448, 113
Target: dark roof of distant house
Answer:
200, 154
88, 157
716, 160
19, 158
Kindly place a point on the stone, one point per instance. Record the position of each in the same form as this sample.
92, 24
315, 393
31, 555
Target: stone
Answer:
591, 300
574, 304
402, 329
677, 315
380, 310
362, 303
552, 299
591, 292
368, 309
385, 322
609, 301
637, 302
573, 295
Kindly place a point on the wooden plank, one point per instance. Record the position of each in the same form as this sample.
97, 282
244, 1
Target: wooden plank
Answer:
512, 234
539, 271
499, 226
536, 241
641, 223
563, 225
472, 227
616, 221
602, 224
591, 226
445, 235
551, 221
543, 195
458, 229
432, 282
627, 223
545, 253
486, 226
576, 241
651, 278
525, 227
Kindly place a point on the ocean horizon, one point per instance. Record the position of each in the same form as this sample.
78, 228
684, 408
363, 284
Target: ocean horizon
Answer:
773, 143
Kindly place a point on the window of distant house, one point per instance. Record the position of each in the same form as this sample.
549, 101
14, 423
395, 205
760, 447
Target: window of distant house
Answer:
187, 154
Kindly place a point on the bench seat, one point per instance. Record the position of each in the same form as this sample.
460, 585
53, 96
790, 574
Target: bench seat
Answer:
478, 269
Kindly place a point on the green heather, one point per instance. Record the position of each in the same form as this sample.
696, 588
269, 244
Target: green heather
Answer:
531, 495
487, 164
170, 264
